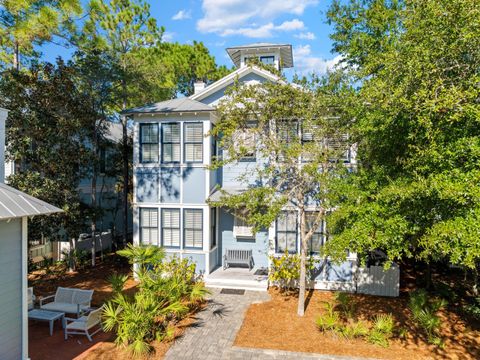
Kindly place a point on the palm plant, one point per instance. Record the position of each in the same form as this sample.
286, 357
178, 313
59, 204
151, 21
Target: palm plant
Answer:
167, 290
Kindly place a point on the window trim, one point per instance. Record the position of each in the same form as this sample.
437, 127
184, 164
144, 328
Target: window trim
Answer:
267, 57
287, 232
240, 235
142, 125
184, 229
171, 228
185, 142
141, 227
162, 142
320, 231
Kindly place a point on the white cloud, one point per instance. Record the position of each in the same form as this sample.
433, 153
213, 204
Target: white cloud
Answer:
307, 63
238, 16
168, 36
306, 36
291, 25
182, 15
265, 31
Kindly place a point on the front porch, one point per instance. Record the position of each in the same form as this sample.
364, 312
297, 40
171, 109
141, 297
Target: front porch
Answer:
238, 278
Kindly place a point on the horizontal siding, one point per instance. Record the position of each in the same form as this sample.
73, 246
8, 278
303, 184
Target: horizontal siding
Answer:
11, 290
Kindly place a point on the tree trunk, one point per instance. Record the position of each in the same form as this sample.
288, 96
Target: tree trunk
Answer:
16, 57
125, 179
303, 270
71, 260
93, 195
475, 290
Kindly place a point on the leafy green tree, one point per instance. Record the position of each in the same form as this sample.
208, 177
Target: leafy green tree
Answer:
24, 24
121, 29
417, 110
46, 132
296, 139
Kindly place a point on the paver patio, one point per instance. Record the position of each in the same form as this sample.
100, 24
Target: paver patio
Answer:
213, 334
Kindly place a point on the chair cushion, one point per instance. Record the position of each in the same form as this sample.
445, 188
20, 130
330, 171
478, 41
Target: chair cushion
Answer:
63, 307
79, 324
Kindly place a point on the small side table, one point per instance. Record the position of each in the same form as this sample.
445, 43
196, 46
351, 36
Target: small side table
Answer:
45, 315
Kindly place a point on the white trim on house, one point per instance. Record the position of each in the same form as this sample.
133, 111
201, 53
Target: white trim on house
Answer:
24, 287
230, 78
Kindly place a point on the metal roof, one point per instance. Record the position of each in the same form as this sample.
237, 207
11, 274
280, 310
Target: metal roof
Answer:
184, 104
218, 193
15, 204
286, 54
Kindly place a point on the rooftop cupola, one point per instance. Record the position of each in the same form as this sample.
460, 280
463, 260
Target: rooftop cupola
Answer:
278, 55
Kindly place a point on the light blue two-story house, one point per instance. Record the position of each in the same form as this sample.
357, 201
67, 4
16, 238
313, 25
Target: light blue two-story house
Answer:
172, 184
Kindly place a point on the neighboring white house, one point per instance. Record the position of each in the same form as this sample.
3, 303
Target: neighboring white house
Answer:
15, 208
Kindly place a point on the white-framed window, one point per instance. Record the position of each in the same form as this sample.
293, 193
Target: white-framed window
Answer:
193, 142
245, 143
286, 232
241, 229
171, 143
193, 228
318, 238
267, 60
171, 227
148, 226
148, 143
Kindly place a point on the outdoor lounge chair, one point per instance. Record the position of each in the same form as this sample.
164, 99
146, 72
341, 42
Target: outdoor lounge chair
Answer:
68, 300
85, 324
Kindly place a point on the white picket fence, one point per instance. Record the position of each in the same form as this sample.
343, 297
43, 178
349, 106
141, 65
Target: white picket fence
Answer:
375, 280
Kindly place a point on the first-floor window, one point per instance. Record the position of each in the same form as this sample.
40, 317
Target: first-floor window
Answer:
193, 228
148, 226
213, 227
241, 229
318, 237
286, 239
171, 227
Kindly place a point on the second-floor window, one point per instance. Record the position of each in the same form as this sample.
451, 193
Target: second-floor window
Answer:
171, 143
193, 142
148, 143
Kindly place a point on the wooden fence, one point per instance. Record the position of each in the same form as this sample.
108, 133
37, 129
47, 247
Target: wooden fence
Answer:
374, 280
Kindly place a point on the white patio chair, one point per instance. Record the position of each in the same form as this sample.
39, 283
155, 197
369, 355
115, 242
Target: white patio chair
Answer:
84, 325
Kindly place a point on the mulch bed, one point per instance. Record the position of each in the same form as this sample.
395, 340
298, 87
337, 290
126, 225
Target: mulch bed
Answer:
45, 347
275, 325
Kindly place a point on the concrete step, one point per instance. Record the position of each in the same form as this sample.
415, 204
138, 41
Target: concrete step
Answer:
237, 284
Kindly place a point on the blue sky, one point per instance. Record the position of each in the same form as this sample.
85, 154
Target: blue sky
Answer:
223, 23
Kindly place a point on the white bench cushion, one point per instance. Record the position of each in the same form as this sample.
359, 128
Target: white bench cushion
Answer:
63, 307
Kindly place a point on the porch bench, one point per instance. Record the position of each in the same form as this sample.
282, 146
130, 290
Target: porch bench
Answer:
68, 300
238, 256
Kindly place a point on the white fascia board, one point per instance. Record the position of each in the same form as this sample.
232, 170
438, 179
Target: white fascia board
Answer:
231, 77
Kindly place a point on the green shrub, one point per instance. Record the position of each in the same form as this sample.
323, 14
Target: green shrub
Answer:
285, 270
354, 329
345, 303
167, 290
424, 313
473, 309
330, 320
382, 330
117, 281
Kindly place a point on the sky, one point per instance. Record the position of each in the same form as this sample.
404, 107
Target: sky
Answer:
224, 23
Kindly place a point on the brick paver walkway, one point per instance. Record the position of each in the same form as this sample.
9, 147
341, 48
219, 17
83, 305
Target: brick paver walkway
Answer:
212, 336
